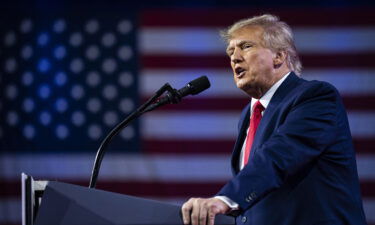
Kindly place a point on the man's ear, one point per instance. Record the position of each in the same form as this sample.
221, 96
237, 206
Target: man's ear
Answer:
279, 59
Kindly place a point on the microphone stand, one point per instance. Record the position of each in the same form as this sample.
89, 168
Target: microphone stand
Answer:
173, 97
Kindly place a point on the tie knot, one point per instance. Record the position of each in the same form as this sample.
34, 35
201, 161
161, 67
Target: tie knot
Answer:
258, 106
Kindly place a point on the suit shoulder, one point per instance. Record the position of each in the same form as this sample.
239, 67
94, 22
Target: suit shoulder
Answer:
316, 87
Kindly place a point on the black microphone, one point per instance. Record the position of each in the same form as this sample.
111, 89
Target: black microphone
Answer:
174, 96
192, 88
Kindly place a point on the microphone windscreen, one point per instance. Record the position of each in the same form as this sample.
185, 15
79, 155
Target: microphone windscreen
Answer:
198, 85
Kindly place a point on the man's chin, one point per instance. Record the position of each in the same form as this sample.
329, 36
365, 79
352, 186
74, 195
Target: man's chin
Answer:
245, 86
250, 90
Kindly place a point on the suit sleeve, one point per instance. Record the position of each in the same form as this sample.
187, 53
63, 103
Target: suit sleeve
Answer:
309, 127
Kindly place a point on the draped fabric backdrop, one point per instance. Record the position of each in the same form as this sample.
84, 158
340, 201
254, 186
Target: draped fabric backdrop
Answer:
67, 77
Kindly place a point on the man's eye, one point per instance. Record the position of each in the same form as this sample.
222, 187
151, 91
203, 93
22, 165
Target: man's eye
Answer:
246, 46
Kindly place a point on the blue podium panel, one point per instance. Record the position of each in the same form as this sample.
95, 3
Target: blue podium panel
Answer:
67, 204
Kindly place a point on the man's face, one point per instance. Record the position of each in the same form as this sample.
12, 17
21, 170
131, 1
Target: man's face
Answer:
252, 64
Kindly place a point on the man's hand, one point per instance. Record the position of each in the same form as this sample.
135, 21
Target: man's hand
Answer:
202, 211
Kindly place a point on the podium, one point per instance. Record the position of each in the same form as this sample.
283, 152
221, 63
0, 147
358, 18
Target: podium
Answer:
68, 204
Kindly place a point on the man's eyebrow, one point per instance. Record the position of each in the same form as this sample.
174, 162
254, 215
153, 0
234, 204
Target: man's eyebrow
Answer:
245, 42
239, 44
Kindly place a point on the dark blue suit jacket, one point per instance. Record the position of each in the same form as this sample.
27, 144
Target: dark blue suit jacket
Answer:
302, 168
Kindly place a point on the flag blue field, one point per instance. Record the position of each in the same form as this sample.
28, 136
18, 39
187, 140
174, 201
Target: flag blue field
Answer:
67, 79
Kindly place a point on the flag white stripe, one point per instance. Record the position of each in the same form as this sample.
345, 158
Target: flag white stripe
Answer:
192, 125
121, 167
118, 167
334, 40
206, 41
10, 209
197, 41
366, 166
369, 208
207, 125
222, 84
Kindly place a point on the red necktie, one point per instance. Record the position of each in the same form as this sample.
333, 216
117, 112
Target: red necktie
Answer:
255, 118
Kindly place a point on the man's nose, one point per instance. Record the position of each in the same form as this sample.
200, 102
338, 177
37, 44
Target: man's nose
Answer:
236, 56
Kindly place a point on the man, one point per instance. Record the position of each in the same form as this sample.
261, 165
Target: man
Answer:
293, 161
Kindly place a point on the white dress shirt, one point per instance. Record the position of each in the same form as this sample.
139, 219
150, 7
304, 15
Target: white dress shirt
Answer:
264, 100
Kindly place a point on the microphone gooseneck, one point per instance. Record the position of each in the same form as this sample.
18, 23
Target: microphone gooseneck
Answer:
174, 96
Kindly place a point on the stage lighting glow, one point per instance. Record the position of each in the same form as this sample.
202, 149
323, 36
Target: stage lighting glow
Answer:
44, 65
124, 26
45, 118
61, 105
59, 26
92, 52
125, 79
10, 39
76, 65
127, 133
60, 78
44, 91
109, 65
12, 118
77, 92
43, 39
78, 118
62, 131
110, 92
94, 105
26, 26
29, 131
27, 78
108, 39
27, 52
92, 26
60, 52
11, 91
10, 65
125, 53
76, 39
93, 79
110, 118
28, 105
126, 105
94, 131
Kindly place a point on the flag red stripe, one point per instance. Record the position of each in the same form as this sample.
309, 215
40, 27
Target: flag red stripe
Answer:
138, 188
188, 146
223, 18
344, 60
206, 104
364, 145
356, 102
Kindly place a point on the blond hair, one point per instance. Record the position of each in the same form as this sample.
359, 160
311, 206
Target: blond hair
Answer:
277, 36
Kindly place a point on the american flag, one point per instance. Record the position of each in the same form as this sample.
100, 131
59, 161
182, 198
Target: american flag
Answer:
66, 80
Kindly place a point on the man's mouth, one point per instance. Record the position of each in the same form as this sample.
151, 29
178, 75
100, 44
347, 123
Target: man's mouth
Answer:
239, 72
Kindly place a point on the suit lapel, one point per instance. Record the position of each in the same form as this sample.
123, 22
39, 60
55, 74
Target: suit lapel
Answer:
244, 123
277, 98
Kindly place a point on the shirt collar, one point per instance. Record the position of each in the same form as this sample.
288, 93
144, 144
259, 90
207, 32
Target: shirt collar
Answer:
266, 98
